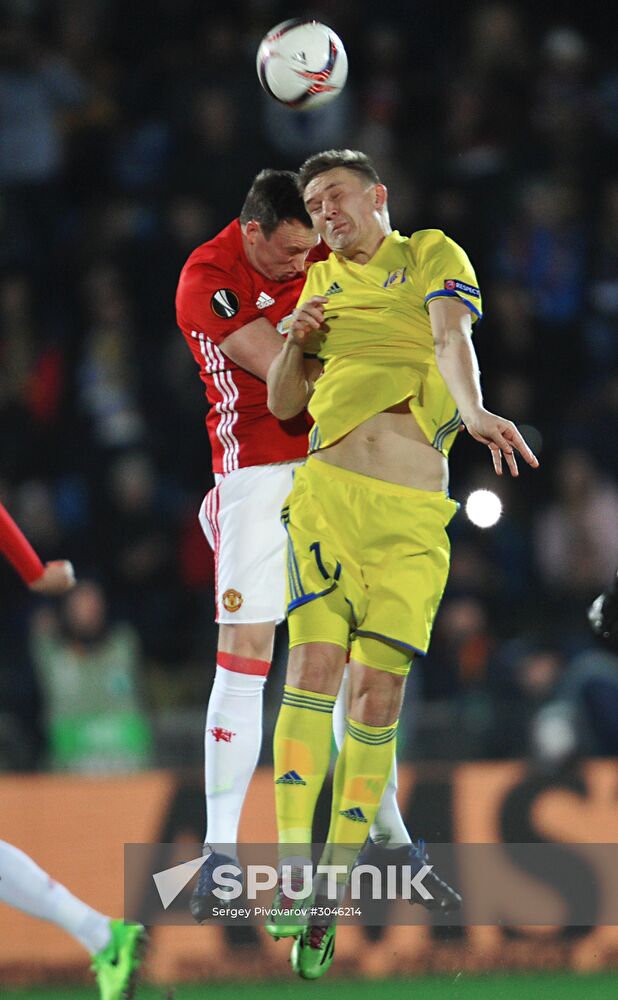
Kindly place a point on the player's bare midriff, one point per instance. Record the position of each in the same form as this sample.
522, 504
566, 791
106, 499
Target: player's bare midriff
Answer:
390, 446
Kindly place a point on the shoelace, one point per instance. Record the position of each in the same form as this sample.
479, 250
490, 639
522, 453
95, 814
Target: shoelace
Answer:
419, 851
286, 903
204, 879
316, 936
296, 885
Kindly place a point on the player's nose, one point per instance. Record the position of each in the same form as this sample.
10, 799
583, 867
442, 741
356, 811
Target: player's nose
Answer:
298, 261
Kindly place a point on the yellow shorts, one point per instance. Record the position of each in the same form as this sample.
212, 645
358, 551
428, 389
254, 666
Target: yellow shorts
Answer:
365, 558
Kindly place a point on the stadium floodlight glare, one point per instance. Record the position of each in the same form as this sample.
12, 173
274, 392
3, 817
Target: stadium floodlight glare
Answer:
483, 508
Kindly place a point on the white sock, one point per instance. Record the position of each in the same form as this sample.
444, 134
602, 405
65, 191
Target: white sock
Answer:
340, 711
232, 741
388, 826
27, 887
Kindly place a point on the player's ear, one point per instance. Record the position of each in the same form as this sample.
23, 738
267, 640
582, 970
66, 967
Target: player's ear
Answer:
381, 195
252, 230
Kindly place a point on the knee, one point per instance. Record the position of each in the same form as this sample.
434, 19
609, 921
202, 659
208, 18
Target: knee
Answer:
250, 641
376, 697
316, 667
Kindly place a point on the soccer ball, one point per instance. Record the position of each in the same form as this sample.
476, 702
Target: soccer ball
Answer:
302, 64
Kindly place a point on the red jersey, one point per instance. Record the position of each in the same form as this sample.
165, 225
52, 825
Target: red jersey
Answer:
219, 292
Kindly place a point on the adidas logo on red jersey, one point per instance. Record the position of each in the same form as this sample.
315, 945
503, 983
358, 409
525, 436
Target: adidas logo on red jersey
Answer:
263, 301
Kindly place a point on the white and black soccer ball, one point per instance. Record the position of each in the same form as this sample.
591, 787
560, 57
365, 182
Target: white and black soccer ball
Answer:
302, 64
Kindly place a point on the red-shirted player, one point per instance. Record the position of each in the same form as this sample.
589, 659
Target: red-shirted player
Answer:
233, 294
115, 946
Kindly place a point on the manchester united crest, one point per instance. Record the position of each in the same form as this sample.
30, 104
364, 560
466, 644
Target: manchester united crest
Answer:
232, 600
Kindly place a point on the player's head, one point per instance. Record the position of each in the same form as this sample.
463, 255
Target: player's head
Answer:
277, 231
344, 197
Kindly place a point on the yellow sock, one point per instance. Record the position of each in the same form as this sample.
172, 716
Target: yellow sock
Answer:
361, 775
302, 743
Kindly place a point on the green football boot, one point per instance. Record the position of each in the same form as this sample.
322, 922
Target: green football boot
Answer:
313, 952
115, 967
288, 917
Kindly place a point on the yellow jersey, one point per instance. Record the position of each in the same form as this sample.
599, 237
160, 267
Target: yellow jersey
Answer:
379, 349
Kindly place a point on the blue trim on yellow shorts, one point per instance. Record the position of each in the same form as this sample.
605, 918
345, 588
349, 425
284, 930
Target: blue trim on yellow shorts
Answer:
387, 638
317, 552
315, 548
296, 588
307, 598
295, 582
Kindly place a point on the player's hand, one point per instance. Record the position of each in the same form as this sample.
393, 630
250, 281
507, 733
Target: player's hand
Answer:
307, 326
57, 578
603, 615
502, 438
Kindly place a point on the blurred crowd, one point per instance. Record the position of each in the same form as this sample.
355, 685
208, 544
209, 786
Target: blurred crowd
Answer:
129, 134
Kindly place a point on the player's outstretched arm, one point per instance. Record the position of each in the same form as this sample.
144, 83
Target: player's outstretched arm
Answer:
53, 578
451, 326
17, 549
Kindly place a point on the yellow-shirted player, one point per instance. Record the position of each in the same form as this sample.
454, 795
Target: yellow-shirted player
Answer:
368, 552
378, 353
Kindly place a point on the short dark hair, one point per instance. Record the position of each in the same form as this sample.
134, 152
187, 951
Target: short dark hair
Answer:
274, 198
351, 159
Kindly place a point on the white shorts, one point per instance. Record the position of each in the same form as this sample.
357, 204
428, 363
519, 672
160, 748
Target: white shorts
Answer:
240, 518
